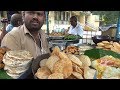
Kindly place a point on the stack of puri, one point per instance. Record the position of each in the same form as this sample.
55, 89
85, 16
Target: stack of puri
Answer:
17, 62
3, 50
113, 46
64, 66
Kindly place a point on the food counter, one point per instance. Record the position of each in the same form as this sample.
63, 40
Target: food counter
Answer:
63, 41
75, 62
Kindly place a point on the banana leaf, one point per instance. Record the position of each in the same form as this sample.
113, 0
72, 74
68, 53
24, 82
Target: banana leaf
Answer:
98, 53
3, 75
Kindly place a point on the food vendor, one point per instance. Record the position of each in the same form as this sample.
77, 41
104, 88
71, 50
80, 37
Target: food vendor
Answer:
28, 36
75, 28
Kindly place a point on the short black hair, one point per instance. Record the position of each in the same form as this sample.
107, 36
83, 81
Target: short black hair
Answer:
44, 12
15, 18
74, 18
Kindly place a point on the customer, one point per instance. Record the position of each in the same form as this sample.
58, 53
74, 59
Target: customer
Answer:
75, 28
28, 36
16, 20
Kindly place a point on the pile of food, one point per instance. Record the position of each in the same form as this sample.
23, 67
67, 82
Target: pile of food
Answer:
77, 50
72, 50
107, 67
106, 63
98, 53
62, 65
56, 34
113, 46
17, 62
3, 50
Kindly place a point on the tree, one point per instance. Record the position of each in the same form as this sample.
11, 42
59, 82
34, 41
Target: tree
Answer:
107, 17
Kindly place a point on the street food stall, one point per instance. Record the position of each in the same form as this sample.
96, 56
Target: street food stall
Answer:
85, 61
73, 62
66, 60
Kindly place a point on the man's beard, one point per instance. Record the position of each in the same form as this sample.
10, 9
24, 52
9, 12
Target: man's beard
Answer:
32, 28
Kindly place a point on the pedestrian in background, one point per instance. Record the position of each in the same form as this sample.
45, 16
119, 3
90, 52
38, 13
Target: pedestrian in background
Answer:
16, 20
75, 28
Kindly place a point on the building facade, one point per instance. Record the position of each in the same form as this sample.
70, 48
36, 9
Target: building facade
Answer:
60, 20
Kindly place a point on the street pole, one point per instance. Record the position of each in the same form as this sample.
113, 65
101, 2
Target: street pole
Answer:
47, 21
117, 37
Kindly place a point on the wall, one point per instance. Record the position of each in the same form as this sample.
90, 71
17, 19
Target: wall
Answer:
92, 23
53, 24
82, 20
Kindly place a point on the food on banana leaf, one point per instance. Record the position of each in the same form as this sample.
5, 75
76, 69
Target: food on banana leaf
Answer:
72, 37
98, 53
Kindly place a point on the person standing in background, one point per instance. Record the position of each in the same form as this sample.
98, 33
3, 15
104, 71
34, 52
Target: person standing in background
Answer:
75, 28
15, 21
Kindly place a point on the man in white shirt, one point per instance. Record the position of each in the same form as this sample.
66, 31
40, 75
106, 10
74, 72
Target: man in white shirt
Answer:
75, 28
